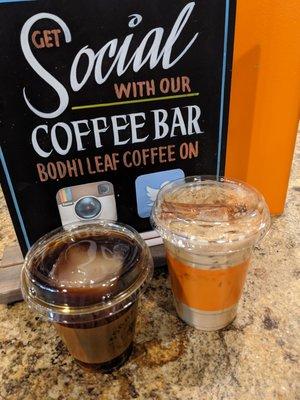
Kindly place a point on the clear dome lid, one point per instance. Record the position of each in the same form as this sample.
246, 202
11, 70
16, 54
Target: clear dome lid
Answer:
86, 270
210, 214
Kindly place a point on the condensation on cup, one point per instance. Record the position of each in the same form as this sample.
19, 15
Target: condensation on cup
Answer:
209, 226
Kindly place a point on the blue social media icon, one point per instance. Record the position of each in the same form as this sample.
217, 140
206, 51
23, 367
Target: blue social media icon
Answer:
147, 188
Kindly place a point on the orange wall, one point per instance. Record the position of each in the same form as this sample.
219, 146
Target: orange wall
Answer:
265, 96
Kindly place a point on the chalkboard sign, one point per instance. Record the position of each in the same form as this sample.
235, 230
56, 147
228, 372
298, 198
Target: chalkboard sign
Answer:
102, 102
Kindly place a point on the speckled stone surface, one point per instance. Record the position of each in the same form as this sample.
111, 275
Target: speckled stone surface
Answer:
7, 233
254, 358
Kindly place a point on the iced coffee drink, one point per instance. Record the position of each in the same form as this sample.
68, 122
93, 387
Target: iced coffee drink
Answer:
87, 279
209, 227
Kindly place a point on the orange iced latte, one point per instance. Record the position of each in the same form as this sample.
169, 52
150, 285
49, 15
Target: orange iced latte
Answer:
207, 289
209, 227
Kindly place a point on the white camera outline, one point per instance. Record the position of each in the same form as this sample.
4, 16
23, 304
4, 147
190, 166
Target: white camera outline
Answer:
108, 210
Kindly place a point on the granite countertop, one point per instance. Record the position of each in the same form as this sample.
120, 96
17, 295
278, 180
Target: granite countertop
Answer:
254, 358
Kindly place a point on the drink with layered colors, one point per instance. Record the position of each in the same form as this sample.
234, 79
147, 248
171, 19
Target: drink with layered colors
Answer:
209, 226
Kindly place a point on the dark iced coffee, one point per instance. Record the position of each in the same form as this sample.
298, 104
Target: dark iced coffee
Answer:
87, 280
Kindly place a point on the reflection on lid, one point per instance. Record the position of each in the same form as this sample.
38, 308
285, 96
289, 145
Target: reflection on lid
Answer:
83, 263
197, 211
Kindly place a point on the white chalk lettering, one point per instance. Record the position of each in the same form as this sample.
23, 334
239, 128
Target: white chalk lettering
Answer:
113, 57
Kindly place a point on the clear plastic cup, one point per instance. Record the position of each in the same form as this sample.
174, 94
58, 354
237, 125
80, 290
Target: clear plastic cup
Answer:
87, 278
209, 226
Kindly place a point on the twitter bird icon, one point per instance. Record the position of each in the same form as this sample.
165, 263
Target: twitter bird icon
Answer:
152, 193
147, 187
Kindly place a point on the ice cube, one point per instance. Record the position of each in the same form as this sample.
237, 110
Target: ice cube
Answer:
83, 263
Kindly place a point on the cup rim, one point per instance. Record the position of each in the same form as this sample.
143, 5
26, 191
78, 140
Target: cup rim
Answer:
63, 312
187, 240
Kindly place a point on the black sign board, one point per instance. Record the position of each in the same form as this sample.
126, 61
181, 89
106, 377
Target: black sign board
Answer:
102, 102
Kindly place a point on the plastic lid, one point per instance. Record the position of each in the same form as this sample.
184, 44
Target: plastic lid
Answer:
86, 271
210, 213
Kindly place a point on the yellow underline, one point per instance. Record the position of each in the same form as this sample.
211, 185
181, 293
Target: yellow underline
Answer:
122, 103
